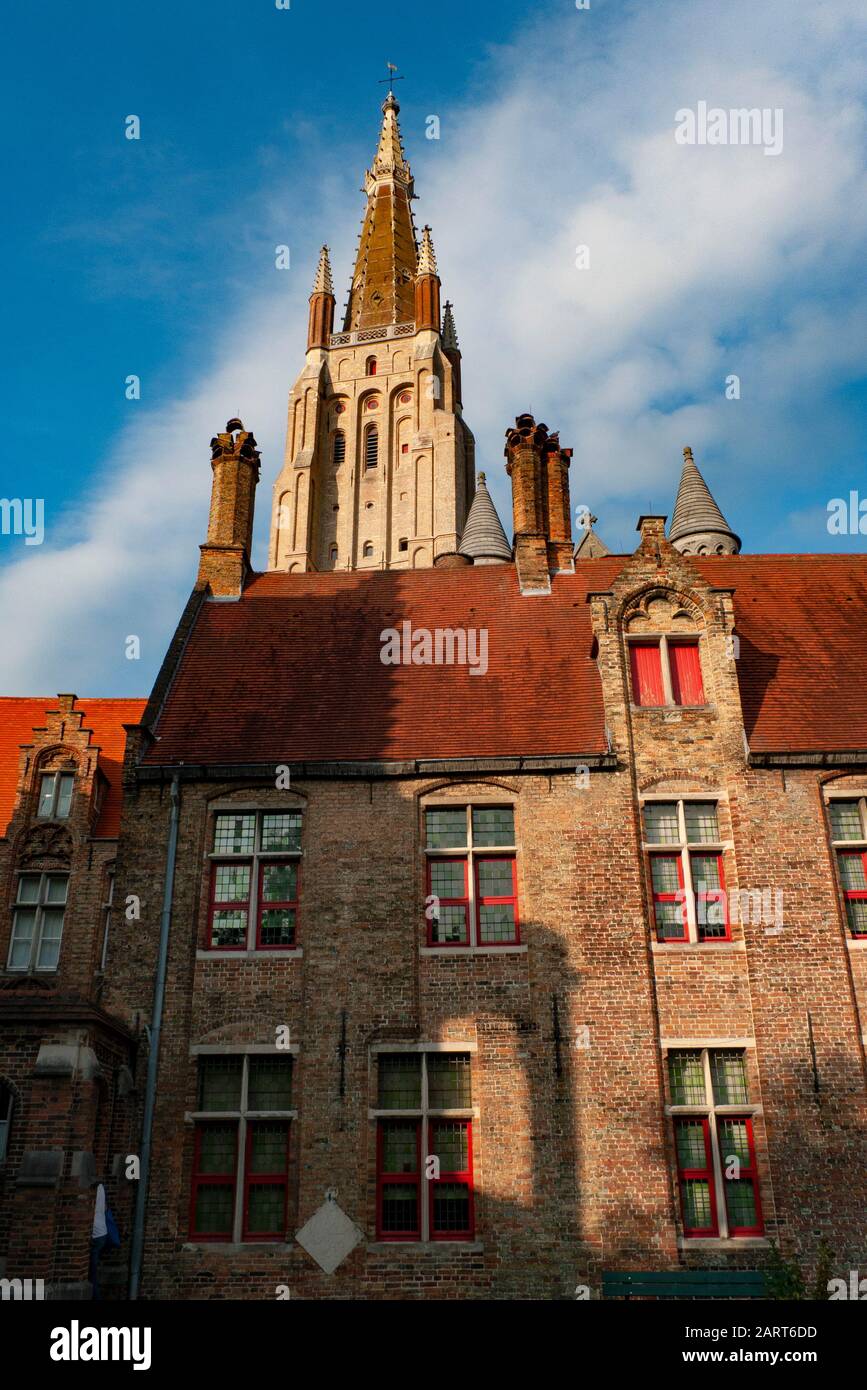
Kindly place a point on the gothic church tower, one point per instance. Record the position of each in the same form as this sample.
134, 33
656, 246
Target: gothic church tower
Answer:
379, 466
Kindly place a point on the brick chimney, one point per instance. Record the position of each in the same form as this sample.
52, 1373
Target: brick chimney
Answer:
225, 560
539, 470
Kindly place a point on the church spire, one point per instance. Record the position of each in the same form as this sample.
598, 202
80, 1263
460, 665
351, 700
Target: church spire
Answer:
698, 527
427, 287
321, 320
449, 332
383, 282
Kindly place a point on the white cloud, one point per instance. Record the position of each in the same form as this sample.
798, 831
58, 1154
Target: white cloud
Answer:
704, 261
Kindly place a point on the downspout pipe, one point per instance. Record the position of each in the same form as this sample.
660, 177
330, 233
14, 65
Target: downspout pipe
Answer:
154, 1051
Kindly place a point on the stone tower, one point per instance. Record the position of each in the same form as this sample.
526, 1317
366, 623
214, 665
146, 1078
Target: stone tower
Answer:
698, 526
379, 465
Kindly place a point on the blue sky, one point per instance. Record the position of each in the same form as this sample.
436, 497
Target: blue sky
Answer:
156, 257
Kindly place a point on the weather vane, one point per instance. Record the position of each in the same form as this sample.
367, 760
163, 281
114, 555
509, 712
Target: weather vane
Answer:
392, 69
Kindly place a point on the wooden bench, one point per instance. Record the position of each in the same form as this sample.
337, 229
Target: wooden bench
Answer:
684, 1283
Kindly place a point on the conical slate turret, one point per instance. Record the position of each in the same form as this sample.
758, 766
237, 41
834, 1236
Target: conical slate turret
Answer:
484, 540
698, 526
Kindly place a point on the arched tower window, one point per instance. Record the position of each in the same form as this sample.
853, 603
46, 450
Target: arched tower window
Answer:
371, 446
370, 366
333, 557
368, 550
338, 450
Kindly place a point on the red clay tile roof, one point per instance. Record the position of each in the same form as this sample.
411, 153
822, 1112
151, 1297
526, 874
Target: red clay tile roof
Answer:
802, 621
293, 670
18, 719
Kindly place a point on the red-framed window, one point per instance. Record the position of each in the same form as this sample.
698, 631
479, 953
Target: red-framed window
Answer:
266, 1181
669, 903
451, 1192
254, 881
687, 876
424, 1147
666, 671
240, 1181
398, 1180
695, 1177
848, 819
472, 878
370, 366
714, 1144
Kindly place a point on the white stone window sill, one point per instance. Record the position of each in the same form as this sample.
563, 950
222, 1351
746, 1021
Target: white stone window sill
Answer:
856, 943
472, 951
427, 1247
247, 1247
717, 1243
294, 954
703, 948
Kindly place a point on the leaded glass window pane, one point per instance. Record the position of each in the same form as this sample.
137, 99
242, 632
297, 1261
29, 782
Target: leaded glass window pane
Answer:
448, 923
279, 882
696, 1204
269, 1083
399, 1081
493, 825
220, 1084
702, 827
852, 871
217, 1149
669, 921
231, 883
399, 1207
448, 878
705, 872
734, 1142
495, 878
281, 830
266, 1208
399, 1147
446, 828
496, 923
451, 1207
729, 1078
856, 912
235, 834
277, 927
267, 1148
451, 1146
741, 1203
665, 874
660, 823
686, 1078
448, 1081
229, 928
846, 820
214, 1206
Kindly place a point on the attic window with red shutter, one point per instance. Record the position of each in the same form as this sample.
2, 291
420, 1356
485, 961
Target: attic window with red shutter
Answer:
666, 671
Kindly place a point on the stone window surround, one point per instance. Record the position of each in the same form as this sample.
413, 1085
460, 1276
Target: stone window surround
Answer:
708, 1110
649, 639
423, 1113
446, 800
834, 792
194, 1117
222, 807
724, 846
39, 906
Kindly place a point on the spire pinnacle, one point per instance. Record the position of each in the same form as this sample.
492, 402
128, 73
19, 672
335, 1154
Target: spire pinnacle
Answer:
449, 334
323, 284
698, 526
427, 261
484, 540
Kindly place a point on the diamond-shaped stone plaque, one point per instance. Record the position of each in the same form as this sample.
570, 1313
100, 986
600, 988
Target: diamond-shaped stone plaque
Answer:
329, 1236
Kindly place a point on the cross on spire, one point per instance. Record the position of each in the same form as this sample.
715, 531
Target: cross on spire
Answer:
392, 69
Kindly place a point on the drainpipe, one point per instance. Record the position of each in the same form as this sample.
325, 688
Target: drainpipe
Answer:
154, 1052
